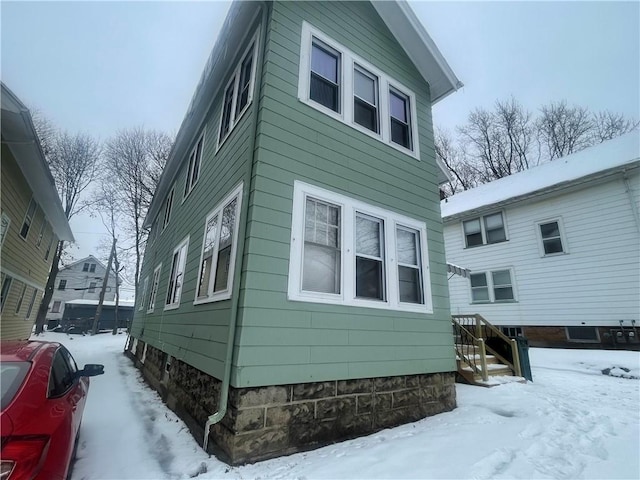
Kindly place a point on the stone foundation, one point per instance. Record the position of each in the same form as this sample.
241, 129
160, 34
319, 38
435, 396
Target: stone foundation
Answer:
266, 422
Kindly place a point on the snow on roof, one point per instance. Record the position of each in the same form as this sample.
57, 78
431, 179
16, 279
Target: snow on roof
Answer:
618, 152
108, 303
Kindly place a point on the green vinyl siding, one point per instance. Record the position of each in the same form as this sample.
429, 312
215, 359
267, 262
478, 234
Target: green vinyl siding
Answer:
283, 341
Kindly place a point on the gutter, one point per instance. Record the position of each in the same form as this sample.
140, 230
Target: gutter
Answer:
233, 321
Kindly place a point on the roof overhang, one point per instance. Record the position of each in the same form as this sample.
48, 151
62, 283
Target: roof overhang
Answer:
19, 134
397, 15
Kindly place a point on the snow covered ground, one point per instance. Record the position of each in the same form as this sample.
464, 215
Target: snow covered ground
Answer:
571, 422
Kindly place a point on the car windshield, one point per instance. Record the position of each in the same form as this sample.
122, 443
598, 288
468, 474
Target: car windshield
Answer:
13, 374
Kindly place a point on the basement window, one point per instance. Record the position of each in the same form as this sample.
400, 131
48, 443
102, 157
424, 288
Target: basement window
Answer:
583, 334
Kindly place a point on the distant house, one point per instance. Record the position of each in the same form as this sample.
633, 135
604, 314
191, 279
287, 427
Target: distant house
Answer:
80, 314
293, 290
81, 280
33, 220
554, 251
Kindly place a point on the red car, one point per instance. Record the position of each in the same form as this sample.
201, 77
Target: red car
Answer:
43, 397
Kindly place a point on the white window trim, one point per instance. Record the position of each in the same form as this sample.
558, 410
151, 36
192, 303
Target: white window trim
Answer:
188, 185
144, 293
563, 237
483, 229
5, 218
223, 294
183, 244
581, 340
31, 219
349, 207
166, 219
235, 78
41, 232
155, 286
348, 62
31, 304
489, 277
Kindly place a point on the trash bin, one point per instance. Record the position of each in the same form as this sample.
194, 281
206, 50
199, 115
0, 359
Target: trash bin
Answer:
523, 353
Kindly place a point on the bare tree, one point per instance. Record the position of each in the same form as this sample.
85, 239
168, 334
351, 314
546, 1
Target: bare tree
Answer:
453, 156
73, 160
564, 129
499, 142
608, 125
134, 160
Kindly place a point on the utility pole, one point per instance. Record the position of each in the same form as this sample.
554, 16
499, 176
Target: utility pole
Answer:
96, 320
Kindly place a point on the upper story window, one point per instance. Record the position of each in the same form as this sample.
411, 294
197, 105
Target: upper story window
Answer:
347, 252
484, 230
43, 226
154, 289
490, 287
144, 294
193, 171
49, 245
89, 267
6, 288
6, 221
168, 205
219, 245
62, 285
176, 275
551, 233
28, 218
337, 82
238, 93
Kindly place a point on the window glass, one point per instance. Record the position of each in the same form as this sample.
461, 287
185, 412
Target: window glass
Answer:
85, 267
167, 209
31, 210
176, 276
494, 228
321, 269
400, 131
21, 298
365, 111
31, 302
193, 170
551, 239
62, 377
479, 287
144, 294
41, 233
92, 267
324, 87
409, 267
154, 289
245, 82
6, 221
473, 233
210, 237
13, 374
227, 109
56, 307
62, 285
92, 287
46, 254
224, 250
6, 288
583, 333
369, 262
502, 285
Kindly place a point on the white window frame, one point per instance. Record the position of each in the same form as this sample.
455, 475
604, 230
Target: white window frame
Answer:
53, 307
563, 237
155, 285
212, 296
21, 298
582, 340
483, 231
41, 233
348, 61
183, 245
28, 217
234, 79
7, 283
195, 154
49, 246
6, 223
490, 286
348, 209
144, 293
168, 207
31, 303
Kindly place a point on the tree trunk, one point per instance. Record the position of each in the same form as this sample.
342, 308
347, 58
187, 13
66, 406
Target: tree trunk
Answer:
48, 289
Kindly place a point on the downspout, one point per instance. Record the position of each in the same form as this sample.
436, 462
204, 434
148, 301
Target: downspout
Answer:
233, 320
628, 191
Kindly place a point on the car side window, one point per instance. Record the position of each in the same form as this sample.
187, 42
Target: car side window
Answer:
62, 376
70, 360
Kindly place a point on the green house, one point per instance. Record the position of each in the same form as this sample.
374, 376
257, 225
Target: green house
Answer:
294, 288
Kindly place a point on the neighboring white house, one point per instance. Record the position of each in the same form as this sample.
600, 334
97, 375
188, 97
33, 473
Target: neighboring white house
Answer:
80, 280
554, 251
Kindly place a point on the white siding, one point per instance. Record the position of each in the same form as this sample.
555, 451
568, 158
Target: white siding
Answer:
596, 283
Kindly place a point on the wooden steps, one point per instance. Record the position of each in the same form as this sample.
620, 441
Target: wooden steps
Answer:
497, 372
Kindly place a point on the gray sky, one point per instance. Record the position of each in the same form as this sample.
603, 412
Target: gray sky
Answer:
97, 67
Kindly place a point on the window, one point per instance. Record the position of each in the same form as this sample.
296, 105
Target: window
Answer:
551, 237
6, 288
347, 252
48, 251
62, 285
92, 267
400, 113
56, 307
41, 233
484, 230
239, 92
85, 267
6, 221
324, 86
512, 332
582, 334
31, 302
219, 245
28, 218
62, 375
167, 209
176, 275
494, 286
21, 298
92, 287
144, 294
154, 289
339, 83
193, 171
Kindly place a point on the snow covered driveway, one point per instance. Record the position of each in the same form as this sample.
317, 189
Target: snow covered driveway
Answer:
571, 422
